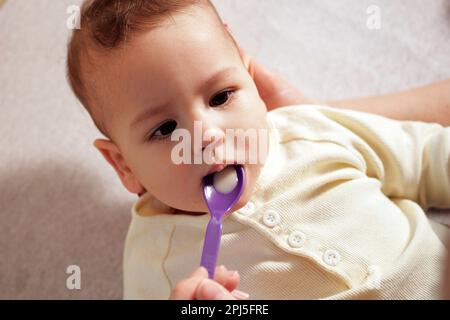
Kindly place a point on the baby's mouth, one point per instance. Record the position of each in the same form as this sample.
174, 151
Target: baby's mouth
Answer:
217, 168
222, 166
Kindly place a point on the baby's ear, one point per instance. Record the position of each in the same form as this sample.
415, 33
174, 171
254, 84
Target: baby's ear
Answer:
114, 157
248, 63
250, 67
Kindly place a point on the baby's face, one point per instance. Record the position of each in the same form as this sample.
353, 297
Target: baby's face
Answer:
167, 79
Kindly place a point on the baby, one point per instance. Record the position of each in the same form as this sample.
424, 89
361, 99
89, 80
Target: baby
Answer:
332, 208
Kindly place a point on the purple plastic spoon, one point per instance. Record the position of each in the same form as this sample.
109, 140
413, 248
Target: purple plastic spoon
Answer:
218, 204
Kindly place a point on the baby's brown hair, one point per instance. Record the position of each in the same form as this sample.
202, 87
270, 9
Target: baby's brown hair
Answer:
108, 24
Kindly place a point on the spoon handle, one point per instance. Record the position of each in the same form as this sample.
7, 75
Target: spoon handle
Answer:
211, 246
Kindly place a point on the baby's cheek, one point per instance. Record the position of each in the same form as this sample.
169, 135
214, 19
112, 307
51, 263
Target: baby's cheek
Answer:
185, 193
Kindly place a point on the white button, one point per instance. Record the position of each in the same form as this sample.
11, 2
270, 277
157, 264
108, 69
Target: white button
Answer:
248, 209
331, 258
373, 270
297, 239
374, 277
271, 218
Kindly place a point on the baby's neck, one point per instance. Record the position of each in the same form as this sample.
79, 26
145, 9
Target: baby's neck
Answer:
189, 213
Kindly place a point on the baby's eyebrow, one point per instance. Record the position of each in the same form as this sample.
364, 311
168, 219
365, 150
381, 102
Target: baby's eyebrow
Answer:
147, 114
216, 76
205, 84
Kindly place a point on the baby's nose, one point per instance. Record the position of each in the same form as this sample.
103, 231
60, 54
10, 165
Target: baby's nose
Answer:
212, 138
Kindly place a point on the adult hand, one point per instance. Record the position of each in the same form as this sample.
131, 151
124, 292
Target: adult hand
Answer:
197, 286
273, 89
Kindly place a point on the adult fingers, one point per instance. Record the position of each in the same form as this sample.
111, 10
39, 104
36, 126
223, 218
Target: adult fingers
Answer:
186, 289
227, 278
211, 290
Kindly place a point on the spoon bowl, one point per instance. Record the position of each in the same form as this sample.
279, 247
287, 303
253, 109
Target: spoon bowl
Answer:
220, 203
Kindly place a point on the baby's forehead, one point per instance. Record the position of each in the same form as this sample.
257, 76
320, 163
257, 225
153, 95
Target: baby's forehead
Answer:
140, 75
200, 18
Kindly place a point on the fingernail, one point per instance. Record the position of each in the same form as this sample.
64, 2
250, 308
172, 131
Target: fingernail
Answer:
232, 273
241, 295
211, 290
198, 271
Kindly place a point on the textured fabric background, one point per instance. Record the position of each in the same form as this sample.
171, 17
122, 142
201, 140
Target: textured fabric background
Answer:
61, 205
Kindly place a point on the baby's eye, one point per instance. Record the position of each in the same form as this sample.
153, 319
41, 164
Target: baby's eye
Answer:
221, 98
164, 130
